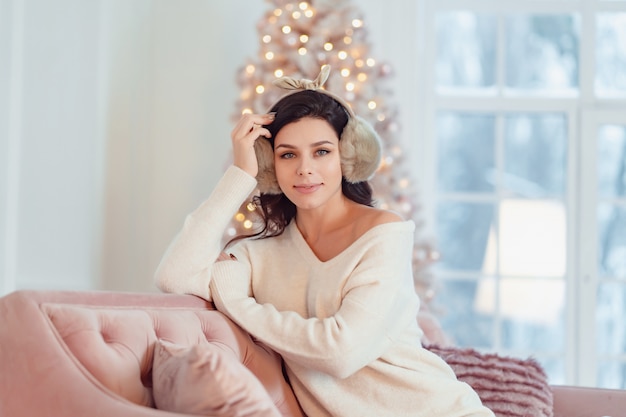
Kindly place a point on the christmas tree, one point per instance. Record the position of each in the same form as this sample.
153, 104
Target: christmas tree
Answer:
296, 39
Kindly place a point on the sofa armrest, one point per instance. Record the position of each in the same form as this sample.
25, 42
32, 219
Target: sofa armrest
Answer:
115, 299
570, 401
65, 353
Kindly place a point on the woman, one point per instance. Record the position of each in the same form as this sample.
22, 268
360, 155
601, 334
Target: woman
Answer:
327, 284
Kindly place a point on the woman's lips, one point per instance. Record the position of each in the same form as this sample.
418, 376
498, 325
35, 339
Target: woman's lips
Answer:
307, 188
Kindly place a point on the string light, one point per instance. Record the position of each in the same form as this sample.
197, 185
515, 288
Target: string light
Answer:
336, 36
357, 23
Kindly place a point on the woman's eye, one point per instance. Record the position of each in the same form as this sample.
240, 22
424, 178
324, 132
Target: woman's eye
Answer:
287, 155
322, 152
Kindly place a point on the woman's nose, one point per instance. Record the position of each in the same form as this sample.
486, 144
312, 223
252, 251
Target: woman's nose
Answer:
304, 168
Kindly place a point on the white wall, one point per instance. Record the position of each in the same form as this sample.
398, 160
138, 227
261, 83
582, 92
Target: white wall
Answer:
5, 99
172, 76
50, 178
115, 122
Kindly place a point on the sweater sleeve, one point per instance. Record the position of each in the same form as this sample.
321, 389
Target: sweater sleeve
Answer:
186, 265
378, 303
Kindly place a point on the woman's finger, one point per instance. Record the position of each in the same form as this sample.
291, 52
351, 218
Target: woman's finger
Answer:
224, 257
249, 123
248, 130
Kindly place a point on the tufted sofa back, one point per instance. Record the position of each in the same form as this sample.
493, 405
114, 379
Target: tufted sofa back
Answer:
105, 342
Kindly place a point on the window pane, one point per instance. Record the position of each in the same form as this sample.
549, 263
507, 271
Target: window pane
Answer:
466, 49
465, 152
612, 241
612, 161
542, 52
610, 313
612, 374
462, 231
555, 369
531, 311
459, 319
611, 54
535, 151
531, 242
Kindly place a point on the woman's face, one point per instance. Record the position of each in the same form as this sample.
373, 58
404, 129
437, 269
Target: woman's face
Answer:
308, 167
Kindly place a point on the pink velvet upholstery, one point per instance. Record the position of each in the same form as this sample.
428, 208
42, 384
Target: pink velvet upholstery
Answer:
588, 402
207, 379
90, 354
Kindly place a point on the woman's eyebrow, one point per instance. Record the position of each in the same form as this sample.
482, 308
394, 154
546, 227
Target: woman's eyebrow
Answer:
285, 145
313, 145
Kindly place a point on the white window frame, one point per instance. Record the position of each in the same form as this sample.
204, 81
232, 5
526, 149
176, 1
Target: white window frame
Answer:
588, 280
585, 113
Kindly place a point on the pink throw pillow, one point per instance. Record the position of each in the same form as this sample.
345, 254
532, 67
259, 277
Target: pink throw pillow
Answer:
206, 379
510, 387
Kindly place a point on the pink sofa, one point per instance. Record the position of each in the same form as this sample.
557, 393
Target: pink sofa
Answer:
90, 354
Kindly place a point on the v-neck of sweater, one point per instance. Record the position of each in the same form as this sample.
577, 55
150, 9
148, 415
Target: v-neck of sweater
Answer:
358, 244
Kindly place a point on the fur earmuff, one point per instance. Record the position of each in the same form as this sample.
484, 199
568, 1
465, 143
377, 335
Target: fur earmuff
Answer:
360, 147
266, 177
360, 150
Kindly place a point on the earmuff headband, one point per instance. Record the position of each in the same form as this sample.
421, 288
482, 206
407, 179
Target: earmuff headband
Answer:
359, 145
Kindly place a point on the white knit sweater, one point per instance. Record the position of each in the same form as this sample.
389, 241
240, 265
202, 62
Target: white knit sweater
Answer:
346, 328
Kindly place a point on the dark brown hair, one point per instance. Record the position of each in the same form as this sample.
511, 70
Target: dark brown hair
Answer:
276, 210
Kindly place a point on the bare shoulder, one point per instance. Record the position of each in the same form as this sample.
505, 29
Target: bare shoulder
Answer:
386, 216
371, 217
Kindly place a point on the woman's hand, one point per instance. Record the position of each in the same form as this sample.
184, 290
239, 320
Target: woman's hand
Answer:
226, 257
243, 136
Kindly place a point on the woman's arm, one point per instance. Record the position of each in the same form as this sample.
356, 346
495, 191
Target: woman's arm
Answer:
186, 265
378, 304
